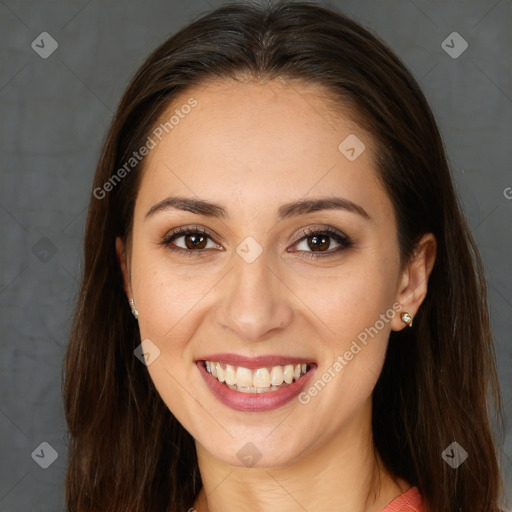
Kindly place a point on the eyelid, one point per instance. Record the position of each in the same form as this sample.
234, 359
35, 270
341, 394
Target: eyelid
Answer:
317, 229
344, 242
184, 230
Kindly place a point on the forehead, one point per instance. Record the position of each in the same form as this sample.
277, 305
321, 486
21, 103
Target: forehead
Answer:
254, 140
251, 113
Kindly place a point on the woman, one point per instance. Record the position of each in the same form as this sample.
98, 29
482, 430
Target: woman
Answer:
282, 307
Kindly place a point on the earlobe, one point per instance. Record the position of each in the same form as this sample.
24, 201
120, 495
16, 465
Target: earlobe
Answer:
414, 281
121, 258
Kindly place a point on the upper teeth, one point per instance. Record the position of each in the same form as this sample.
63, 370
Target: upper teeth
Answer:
261, 378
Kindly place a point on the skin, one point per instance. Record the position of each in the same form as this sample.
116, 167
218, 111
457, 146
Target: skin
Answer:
252, 147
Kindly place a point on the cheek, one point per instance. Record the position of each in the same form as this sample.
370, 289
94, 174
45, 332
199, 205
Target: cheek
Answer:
166, 294
353, 309
349, 299
171, 309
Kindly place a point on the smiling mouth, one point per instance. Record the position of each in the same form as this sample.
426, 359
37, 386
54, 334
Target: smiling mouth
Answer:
260, 380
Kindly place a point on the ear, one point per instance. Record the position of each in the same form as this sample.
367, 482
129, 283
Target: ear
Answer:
121, 258
413, 285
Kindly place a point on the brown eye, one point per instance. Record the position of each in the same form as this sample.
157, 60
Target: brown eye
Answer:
319, 243
190, 241
195, 241
316, 243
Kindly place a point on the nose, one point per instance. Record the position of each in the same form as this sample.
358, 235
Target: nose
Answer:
255, 301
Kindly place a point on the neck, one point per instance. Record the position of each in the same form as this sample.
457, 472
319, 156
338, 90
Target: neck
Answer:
345, 474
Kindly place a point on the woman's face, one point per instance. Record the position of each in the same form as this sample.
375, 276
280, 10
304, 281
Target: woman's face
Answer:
256, 289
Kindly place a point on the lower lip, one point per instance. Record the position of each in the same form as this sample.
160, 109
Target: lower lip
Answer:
253, 402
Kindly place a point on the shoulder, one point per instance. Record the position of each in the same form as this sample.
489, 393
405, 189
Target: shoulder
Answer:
409, 501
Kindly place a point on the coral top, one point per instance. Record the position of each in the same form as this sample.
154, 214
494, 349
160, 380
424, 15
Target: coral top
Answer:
409, 501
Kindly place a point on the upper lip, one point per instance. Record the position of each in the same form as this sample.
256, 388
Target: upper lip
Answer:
255, 362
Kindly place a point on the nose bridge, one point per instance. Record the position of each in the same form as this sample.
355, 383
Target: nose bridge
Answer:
256, 302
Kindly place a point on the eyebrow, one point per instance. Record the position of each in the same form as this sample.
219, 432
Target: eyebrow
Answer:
285, 211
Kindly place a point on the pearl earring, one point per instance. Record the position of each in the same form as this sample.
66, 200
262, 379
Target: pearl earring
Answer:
135, 313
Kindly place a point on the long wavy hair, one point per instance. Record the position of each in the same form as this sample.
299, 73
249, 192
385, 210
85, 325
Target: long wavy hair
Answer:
126, 449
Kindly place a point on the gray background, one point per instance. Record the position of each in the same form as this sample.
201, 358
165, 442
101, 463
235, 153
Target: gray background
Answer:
55, 112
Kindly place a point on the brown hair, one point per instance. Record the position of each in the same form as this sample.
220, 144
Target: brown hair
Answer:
127, 451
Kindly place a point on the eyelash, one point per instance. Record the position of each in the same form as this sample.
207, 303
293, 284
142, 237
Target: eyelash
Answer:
340, 238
